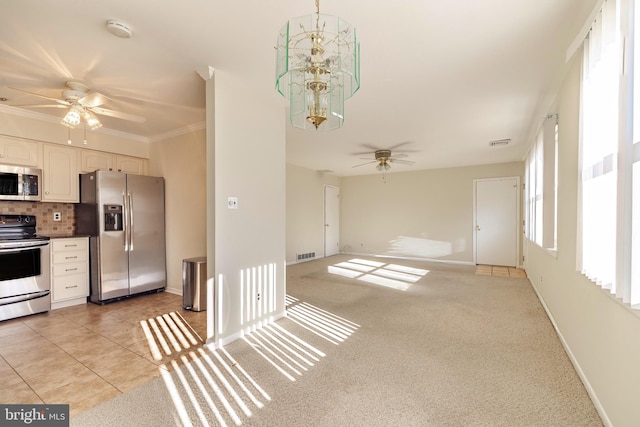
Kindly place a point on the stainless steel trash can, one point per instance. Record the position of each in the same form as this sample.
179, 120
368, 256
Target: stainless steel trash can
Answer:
194, 284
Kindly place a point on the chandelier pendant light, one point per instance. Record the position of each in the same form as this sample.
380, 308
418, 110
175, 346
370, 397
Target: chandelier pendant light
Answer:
317, 68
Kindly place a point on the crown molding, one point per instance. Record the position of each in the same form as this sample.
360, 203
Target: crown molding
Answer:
178, 132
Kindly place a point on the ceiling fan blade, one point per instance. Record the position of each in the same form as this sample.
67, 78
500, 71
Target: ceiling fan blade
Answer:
400, 144
402, 162
59, 101
118, 114
93, 99
368, 163
370, 147
399, 156
367, 158
41, 106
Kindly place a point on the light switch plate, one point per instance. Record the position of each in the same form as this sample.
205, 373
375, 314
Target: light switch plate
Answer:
232, 202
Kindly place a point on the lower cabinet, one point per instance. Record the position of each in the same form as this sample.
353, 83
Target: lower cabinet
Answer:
69, 271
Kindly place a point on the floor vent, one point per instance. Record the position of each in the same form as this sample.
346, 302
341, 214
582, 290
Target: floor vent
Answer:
306, 256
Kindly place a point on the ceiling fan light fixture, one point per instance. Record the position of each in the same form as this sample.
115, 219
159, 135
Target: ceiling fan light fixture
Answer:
317, 68
91, 120
72, 118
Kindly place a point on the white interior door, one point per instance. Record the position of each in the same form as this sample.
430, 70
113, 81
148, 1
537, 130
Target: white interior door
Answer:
496, 215
331, 220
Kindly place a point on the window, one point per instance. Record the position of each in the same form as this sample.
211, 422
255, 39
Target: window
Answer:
634, 158
609, 191
541, 186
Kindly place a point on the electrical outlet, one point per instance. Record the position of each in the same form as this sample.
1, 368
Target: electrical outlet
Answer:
57, 216
258, 296
232, 202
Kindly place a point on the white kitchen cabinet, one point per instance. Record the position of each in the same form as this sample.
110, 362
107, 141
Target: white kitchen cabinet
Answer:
18, 152
97, 160
69, 271
60, 174
132, 165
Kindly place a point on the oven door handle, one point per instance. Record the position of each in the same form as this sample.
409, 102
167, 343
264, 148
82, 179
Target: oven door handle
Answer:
23, 298
13, 247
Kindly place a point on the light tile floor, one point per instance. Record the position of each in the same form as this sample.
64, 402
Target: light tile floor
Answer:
87, 354
493, 270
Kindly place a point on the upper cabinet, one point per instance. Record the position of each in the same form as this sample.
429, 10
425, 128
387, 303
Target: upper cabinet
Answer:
133, 165
60, 173
98, 160
18, 152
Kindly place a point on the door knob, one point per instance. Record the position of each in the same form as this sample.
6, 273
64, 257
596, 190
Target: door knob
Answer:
326, 225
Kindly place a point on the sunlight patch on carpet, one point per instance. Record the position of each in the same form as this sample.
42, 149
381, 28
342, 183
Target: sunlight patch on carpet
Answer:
210, 387
394, 276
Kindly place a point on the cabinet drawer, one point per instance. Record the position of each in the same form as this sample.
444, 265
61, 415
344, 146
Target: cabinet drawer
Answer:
69, 256
68, 244
70, 268
68, 287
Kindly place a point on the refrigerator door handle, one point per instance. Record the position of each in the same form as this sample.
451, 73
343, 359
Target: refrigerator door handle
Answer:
125, 213
131, 222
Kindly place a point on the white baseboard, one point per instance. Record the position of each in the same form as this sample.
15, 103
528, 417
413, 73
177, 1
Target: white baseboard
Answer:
173, 291
576, 365
443, 261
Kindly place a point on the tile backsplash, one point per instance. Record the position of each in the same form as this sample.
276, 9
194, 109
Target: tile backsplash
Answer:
46, 226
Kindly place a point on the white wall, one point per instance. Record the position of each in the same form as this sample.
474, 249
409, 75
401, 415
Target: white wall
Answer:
182, 162
249, 163
601, 335
305, 211
425, 214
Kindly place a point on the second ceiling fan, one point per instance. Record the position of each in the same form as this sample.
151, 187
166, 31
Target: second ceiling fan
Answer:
384, 158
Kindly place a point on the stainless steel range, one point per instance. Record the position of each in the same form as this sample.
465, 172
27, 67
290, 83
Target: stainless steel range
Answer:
24, 268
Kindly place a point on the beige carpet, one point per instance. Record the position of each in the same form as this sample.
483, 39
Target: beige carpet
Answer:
376, 342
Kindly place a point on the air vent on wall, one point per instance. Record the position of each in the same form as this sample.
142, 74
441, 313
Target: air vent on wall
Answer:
498, 142
308, 255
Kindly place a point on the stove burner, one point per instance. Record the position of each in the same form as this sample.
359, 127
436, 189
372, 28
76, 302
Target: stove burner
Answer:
18, 227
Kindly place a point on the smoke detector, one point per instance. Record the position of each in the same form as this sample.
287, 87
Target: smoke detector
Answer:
119, 28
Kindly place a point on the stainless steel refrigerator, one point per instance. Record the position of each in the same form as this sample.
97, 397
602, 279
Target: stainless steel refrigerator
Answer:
124, 215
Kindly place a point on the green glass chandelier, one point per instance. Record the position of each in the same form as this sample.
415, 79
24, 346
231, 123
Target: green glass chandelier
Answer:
317, 68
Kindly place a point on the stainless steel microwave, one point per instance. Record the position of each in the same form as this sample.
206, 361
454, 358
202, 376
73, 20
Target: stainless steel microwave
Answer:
20, 183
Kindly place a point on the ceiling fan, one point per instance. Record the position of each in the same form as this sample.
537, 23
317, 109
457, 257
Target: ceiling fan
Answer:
383, 158
83, 105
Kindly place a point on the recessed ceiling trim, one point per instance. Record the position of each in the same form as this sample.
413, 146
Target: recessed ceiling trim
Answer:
56, 120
